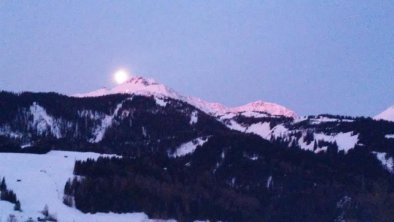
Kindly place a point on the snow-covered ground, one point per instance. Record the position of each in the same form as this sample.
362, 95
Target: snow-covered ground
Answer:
41, 182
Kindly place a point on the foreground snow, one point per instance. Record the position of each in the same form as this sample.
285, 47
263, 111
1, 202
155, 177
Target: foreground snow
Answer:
41, 182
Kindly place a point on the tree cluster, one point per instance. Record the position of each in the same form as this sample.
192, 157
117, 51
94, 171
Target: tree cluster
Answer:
220, 181
9, 195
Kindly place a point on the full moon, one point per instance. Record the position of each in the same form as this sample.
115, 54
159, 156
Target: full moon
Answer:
121, 76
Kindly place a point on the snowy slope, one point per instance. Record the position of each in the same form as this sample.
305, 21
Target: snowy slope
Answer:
100, 92
138, 85
189, 148
42, 179
42, 121
264, 107
292, 134
388, 115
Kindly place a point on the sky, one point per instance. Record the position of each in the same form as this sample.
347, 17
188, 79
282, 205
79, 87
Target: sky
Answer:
311, 56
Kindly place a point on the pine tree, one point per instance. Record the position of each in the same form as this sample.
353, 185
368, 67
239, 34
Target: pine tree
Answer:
45, 211
3, 185
17, 206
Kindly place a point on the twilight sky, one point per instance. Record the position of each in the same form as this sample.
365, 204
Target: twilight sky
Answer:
311, 56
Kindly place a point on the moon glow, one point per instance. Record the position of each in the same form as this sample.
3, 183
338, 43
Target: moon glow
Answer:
121, 76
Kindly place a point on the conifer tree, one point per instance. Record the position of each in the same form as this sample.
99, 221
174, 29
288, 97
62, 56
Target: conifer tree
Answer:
3, 185
17, 206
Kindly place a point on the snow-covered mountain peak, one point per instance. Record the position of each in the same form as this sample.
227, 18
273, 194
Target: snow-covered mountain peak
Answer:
266, 107
388, 115
136, 85
139, 85
139, 80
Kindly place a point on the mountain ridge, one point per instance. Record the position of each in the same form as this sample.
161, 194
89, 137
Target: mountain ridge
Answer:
139, 85
270, 161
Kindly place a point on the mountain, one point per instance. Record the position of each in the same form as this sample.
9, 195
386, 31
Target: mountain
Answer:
387, 115
172, 156
113, 123
138, 85
264, 107
143, 114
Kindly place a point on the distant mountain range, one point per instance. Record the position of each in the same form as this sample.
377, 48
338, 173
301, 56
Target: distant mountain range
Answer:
255, 117
149, 87
138, 85
262, 157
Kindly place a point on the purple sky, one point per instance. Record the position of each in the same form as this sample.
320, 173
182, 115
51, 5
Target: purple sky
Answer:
311, 56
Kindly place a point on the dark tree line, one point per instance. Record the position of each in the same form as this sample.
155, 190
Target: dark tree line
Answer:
9, 195
219, 181
127, 185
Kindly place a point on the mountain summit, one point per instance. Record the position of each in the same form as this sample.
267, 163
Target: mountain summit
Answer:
139, 85
265, 107
135, 85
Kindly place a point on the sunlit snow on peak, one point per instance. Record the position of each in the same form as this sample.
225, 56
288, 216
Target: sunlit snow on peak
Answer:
138, 85
387, 115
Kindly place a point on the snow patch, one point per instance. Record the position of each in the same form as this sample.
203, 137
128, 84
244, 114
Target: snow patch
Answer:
386, 161
252, 157
261, 129
100, 130
300, 119
232, 124
193, 118
279, 131
390, 136
345, 141
189, 148
42, 122
270, 182
321, 149
324, 119
253, 114
304, 145
26, 145
160, 102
